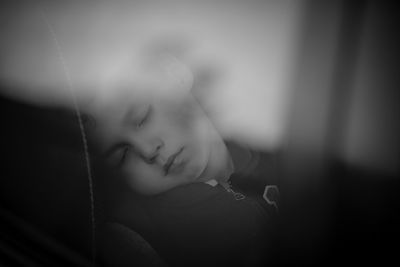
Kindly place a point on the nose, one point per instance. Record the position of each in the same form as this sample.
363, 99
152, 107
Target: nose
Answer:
150, 150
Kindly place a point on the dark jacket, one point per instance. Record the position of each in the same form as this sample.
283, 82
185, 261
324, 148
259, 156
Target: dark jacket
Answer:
202, 225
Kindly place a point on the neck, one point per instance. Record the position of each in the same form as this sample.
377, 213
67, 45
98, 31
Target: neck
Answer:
220, 165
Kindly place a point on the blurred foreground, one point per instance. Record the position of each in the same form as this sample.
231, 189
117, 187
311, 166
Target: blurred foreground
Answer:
313, 81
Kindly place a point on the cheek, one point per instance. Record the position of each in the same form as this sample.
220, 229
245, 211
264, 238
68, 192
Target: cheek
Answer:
182, 113
185, 117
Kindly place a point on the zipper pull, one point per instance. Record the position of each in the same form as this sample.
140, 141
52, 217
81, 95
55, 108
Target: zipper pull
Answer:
238, 196
228, 187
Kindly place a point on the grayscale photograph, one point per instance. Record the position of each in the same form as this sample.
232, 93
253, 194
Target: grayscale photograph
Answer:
199, 133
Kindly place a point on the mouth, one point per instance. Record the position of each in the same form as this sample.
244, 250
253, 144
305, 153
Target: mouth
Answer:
172, 162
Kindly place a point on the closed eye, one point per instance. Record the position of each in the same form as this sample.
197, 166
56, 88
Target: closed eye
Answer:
145, 117
124, 154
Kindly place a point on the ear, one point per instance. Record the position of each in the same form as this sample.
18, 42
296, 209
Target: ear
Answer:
170, 53
178, 72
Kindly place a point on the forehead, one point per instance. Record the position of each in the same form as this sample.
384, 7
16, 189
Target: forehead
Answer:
146, 75
118, 101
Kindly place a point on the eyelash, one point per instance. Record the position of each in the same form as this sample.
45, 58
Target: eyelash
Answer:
144, 119
124, 154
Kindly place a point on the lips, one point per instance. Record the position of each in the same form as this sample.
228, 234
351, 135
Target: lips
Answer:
171, 162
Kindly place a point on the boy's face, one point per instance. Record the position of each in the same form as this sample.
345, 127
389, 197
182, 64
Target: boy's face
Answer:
158, 141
